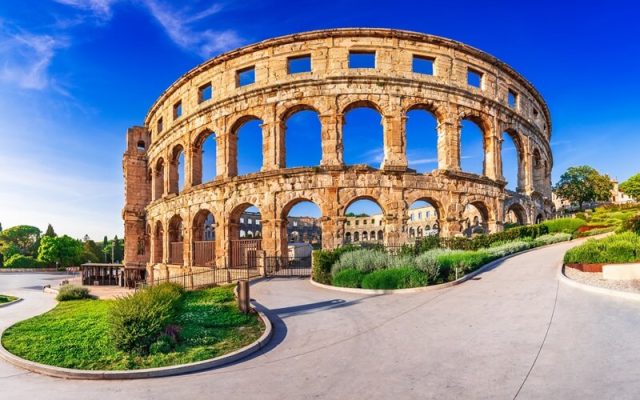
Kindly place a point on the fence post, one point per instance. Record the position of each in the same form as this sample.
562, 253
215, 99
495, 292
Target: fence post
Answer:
243, 296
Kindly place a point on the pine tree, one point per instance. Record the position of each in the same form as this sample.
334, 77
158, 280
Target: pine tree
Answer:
50, 232
105, 245
117, 250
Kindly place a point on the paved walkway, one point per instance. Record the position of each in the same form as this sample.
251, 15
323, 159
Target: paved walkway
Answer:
513, 331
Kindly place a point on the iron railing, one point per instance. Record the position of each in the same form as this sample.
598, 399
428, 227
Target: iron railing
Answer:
285, 266
204, 253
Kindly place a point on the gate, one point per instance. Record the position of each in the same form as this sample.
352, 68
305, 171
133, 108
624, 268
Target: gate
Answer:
285, 266
243, 253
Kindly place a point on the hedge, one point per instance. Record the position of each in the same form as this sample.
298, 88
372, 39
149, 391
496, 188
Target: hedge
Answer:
323, 260
72, 292
395, 278
620, 248
20, 261
565, 225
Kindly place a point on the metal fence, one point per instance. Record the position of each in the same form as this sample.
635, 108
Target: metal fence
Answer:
204, 253
285, 266
205, 278
175, 253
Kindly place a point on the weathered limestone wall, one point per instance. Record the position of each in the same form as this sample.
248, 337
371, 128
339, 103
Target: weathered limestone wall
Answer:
331, 89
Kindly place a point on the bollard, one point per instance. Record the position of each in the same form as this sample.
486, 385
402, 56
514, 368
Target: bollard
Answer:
243, 296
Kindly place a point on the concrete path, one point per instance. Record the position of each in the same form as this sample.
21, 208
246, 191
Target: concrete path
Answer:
512, 332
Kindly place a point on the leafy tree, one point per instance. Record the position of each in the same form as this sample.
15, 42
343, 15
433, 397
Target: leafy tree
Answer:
24, 238
584, 184
91, 251
62, 250
631, 186
50, 232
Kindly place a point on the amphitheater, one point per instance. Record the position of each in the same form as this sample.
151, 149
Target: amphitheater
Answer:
164, 224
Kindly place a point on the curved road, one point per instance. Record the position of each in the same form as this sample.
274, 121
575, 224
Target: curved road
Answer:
512, 332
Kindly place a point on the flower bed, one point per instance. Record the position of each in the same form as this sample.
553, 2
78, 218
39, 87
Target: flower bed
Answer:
416, 266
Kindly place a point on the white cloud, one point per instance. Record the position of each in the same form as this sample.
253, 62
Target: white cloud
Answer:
179, 26
26, 58
100, 9
422, 161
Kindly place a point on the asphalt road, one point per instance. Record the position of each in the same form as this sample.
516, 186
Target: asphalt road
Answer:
512, 332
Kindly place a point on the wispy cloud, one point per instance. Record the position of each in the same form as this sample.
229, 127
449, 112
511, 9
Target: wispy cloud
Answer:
26, 57
100, 9
179, 24
422, 161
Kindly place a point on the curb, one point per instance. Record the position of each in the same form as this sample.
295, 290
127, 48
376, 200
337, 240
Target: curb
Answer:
69, 373
595, 289
18, 300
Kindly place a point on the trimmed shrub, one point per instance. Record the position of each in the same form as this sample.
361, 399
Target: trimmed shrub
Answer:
428, 263
552, 238
397, 278
499, 250
136, 321
620, 248
565, 225
72, 292
464, 261
364, 260
350, 277
323, 260
20, 261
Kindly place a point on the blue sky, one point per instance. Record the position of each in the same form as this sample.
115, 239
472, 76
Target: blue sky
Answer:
75, 74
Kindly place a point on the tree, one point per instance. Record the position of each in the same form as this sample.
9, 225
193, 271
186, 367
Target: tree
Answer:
91, 251
583, 184
631, 186
24, 238
61, 250
50, 232
105, 244
117, 250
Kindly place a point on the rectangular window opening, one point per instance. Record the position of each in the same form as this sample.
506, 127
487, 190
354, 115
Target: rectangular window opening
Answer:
160, 126
246, 76
299, 64
512, 99
177, 110
423, 65
474, 78
205, 93
362, 59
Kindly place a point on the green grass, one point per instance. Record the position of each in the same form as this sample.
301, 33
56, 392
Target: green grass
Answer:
620, 248
6, 299
75, 334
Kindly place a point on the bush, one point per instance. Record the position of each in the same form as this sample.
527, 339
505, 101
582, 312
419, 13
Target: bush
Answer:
565, 225
364, 260
72, 292
620, 248
632, 224
323, 260
136, 321
464, 261
397, 278
499, 250
552, 238
350, 277
20, 261
428, 263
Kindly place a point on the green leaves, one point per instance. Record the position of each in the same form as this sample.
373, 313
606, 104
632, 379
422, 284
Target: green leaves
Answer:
62, 250
584, 184
632, 186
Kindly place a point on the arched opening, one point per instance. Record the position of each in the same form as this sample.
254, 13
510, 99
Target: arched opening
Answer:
421, 140
472, 147
511, 160
475, 219
248, 146
538, 170
158, 246
176, 170
422, 213
515, 215
362, 135
176, 247
203, 165
303, 224
363, 215
203, 237
245, 226
158, 180
141, 146
539, 218
303, 139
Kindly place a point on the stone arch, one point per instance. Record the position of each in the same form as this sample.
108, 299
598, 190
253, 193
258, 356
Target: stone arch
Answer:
519, 214
363, 197
242, 250
312, 140
430, 106
476, 221
158, 179
174, 168
485, 125
517, 140
176, 245
158, 243
284, 217
236, 150
415, 154
197, 148
371, 148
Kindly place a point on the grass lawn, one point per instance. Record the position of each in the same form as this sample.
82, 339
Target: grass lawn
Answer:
6, 299
75, 334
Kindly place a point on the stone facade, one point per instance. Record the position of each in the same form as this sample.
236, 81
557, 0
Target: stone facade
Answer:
156, 212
